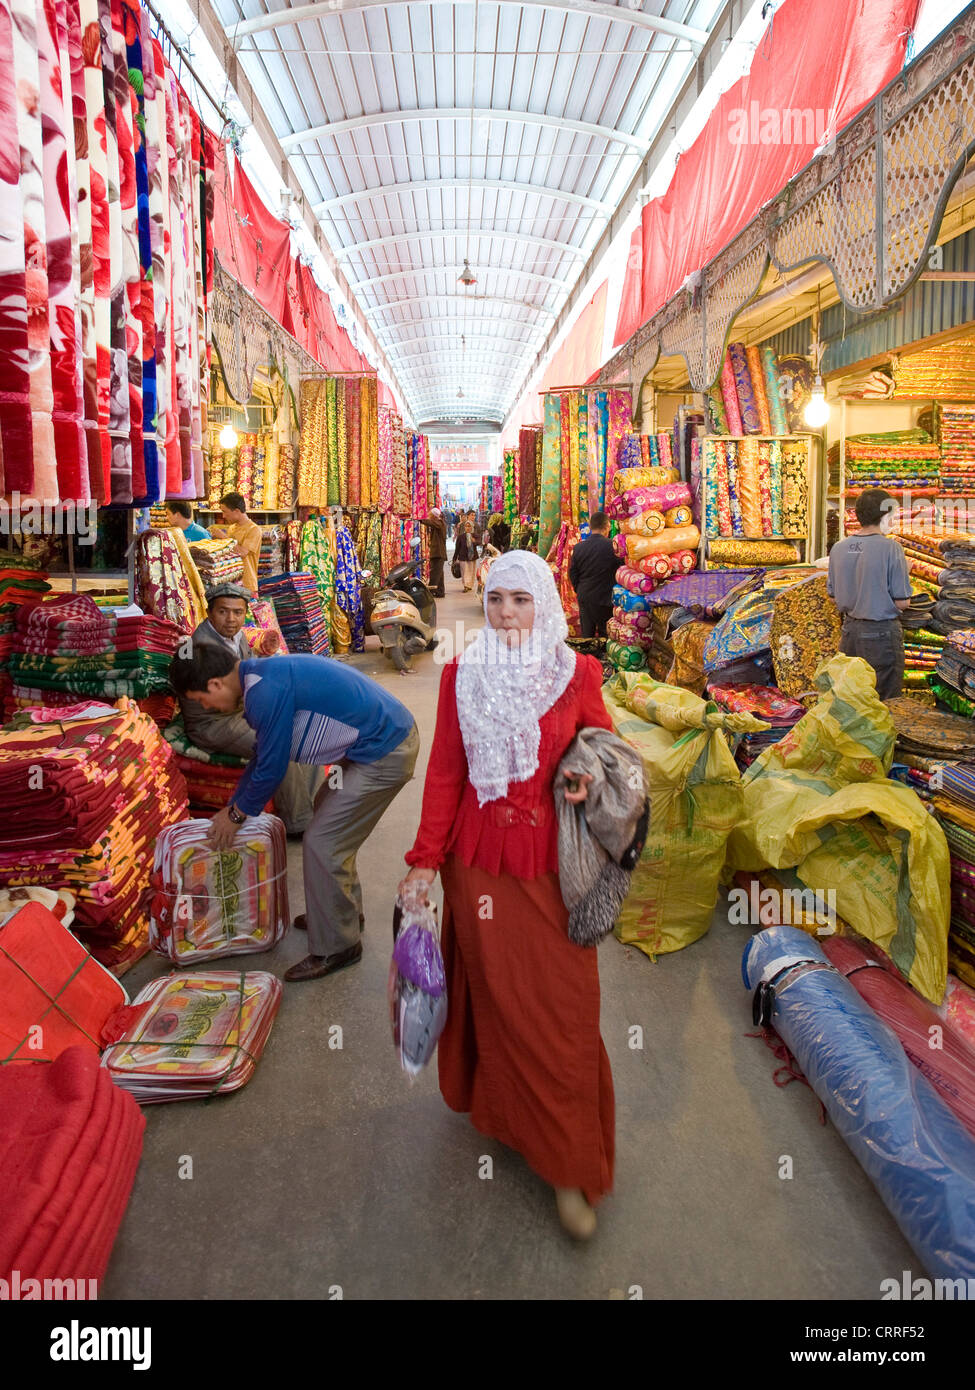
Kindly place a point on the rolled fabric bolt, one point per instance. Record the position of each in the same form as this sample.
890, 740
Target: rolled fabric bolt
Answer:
644, 524
729, 394
758, 386
678, 516
628, 478
658, 567
675, 538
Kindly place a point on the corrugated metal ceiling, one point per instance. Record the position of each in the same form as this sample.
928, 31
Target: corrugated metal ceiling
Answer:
427, 134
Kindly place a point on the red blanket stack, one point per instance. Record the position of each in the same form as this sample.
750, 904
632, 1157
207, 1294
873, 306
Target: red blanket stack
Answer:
70, 1142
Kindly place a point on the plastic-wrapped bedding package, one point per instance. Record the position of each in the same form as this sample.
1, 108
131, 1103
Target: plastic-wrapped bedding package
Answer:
918, 1155
211, 903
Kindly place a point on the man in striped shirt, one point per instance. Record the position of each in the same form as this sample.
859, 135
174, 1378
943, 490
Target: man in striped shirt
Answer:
311, 709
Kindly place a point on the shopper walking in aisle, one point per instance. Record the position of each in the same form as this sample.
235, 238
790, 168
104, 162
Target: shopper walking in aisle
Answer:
237, 526
437, 527
229, 732
321, 712
521, 1050
870, 582
592, 573
498, 533
180, 515
465, 553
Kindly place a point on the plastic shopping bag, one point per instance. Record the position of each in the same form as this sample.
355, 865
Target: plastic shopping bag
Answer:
417, 983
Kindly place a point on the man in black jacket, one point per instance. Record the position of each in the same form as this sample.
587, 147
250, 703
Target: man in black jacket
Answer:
592, 573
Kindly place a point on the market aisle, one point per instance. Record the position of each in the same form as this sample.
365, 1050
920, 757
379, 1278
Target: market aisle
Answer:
329, 1170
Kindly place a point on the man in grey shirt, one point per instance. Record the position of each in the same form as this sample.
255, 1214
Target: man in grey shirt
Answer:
870, 581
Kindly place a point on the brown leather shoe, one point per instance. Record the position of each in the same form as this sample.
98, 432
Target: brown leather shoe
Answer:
315, 967
301, 923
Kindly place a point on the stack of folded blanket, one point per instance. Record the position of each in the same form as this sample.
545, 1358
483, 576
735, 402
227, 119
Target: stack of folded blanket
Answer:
81, 803
778, 710
66, 649
218, 561
71, 1142
298, 605
956, 430
955, 605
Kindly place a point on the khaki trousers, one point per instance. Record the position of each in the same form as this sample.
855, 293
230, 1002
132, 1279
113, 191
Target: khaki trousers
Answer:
345, 816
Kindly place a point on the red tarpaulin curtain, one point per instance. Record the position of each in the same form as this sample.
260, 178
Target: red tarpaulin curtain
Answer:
254, 247
582, 351
629, 320
816, 67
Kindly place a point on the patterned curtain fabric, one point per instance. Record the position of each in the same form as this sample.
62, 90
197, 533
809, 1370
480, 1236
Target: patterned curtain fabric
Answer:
348, 589
315, 557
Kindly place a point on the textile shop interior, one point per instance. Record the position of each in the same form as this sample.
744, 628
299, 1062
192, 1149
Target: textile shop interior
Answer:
286, 298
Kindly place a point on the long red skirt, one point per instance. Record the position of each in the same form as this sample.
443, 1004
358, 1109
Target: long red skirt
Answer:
521, 1052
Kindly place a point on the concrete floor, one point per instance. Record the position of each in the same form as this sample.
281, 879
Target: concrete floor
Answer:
329, 1171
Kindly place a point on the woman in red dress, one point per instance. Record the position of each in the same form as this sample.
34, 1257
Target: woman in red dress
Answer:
521, 1051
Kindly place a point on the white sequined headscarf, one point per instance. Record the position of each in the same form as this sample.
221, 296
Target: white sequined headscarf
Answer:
503, 691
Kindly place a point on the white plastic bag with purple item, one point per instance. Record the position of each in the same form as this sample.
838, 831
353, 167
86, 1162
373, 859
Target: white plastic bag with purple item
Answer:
417, 983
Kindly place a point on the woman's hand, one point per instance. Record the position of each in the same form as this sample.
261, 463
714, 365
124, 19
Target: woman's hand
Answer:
581, 781
417, 882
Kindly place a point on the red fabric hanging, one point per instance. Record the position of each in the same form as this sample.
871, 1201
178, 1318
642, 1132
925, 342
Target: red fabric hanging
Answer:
581, 352
628, 319
816, 67
254, 246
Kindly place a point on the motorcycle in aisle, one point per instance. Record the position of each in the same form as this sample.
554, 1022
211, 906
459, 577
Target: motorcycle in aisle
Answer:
404, 615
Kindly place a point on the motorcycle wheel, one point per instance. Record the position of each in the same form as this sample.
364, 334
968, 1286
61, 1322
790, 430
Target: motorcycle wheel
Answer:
400, 658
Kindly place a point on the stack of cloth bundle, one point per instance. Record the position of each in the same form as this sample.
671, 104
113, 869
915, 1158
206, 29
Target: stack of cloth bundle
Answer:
71, 1142
900, 461
271, 559
767, 703
297, 602
955, 603
747, 399
954, 806
925, 561
81, 803
755, 499
922, 650
211, 778
956, 430
219, 562
928, 738
66, 649
956, 668
656, 539
627, 632
19, 584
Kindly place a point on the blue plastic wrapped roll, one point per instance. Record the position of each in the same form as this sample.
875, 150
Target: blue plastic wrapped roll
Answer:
920, 1158
633, 603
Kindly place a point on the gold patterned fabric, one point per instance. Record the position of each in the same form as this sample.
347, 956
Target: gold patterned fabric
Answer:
806, 631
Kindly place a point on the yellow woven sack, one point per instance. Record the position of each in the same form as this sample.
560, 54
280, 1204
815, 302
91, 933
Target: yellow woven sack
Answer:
820, 802
695, 800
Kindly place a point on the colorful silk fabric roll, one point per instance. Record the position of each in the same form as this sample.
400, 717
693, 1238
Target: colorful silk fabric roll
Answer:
773, 394
734, 501
647, 523
741, 553
749, 489
629, 478
717, 416
757, 376
729, 394
737, 355
674, 538
678, 516
795, 490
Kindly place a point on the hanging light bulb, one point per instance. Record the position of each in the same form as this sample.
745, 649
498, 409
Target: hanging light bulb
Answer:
467, 276
816, 412
228, 437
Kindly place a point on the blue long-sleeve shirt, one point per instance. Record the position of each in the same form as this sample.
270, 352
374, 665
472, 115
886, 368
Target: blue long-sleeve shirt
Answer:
311, 709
